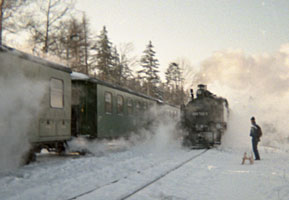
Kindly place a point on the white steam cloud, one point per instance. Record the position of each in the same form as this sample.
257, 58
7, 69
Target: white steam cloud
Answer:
255, 85
19, 104
162, 135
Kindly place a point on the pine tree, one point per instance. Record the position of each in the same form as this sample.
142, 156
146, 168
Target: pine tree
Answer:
104, 56
149, 71
117, 67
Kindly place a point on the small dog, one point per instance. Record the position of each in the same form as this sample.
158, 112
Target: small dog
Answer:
248, 158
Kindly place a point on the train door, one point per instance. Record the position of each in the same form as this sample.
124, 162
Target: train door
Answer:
84, 109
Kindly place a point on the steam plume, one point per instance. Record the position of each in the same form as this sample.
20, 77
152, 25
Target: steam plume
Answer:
19, 105
255, 85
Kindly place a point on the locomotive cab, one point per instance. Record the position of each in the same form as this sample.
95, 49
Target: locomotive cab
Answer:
203, 92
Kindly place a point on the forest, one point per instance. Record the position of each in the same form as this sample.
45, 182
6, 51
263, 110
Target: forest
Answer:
55, 28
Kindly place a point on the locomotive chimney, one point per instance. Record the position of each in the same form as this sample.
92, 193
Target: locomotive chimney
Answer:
202, 86
192, 93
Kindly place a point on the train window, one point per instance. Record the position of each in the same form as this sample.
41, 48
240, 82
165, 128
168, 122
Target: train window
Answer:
56, 93
108, 102
119, 104
129, 106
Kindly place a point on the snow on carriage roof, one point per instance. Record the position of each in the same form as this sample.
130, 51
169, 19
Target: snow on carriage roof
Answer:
79, 76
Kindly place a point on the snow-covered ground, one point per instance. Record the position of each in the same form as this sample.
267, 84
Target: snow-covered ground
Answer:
216, 174
219, 175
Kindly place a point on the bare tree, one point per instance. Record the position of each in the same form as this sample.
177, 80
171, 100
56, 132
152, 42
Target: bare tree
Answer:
188, 72
44, 25
8, 11
73, 43
127, 62
174, 89
87, 44
174, 75
1, 19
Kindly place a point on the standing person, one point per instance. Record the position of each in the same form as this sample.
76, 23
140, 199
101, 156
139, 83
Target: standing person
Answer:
255, 133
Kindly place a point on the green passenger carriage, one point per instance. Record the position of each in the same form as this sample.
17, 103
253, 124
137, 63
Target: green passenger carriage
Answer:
72, 104
104, 110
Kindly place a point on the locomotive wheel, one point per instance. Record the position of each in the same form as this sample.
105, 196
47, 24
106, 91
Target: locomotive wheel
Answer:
187, 142
60, 148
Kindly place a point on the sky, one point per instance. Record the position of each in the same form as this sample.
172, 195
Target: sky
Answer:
239, 48
192, 29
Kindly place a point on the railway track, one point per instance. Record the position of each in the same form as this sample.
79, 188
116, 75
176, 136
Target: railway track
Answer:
143, 186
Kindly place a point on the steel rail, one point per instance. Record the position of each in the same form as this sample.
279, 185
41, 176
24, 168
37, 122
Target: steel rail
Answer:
162, 175
143, 186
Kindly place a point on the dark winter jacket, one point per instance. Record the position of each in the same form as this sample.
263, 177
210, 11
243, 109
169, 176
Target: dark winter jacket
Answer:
254, 132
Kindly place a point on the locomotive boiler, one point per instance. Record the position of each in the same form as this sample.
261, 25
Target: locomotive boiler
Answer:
204, 118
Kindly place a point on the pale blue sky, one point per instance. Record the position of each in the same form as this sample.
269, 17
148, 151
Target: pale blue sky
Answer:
193, 29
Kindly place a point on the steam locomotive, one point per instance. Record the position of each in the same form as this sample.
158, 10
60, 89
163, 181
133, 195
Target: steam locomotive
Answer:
204, 118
